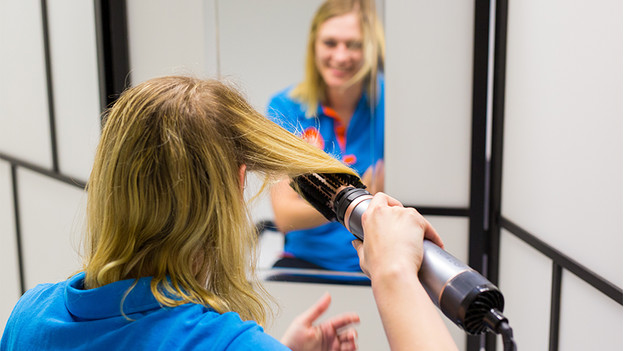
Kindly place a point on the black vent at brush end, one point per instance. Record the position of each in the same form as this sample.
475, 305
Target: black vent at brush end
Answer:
477, 310
319, 189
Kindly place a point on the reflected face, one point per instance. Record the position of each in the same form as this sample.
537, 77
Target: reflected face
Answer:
338, 49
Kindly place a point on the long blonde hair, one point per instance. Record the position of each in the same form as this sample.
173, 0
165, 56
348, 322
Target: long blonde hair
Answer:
165, 199
312, 90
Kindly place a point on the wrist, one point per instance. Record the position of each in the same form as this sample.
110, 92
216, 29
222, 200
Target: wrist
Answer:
395, 276
394, 269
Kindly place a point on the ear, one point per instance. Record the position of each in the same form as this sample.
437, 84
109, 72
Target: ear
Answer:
242, 172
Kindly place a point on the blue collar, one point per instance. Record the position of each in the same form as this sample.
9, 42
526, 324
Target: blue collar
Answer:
105, 301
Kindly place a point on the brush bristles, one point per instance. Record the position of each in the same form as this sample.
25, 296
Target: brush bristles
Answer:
319, 189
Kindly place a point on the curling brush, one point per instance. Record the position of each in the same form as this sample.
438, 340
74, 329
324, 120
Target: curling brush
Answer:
461, 293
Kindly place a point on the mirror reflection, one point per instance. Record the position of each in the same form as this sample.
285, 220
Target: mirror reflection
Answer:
314, 67
338, 106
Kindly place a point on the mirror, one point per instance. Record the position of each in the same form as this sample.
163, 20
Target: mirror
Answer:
258, 45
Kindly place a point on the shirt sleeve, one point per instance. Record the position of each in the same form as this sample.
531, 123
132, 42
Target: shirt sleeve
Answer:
254, 340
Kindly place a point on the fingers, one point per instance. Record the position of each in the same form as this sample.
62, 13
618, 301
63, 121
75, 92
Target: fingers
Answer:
432, 234
382, 199
358, 245
343, 320
348, 339
316, 310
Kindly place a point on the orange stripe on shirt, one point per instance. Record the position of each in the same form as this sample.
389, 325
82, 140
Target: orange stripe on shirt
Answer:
339, 128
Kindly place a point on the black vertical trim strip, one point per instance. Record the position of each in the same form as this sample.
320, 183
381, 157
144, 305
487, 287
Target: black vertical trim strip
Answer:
498, 114
18, 229
113, 52
49, 85
99, 40
496, 156
555, 307
478, 240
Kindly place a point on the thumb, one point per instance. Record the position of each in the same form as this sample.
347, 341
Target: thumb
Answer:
316, 310
357, 244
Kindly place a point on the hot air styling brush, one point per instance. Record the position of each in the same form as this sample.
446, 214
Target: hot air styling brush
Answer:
461, 293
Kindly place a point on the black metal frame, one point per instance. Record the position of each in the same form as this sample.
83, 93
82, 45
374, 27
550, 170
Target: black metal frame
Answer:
49, 85
479, 236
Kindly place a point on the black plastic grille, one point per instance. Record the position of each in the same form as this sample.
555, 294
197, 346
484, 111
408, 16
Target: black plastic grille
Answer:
482, 304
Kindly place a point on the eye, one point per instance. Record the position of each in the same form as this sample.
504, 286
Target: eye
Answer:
354, 45
330, 43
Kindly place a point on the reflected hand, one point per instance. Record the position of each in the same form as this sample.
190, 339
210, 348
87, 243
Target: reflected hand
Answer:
336, 334
374, 178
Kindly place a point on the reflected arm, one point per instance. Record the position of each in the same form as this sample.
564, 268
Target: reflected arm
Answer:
291, 211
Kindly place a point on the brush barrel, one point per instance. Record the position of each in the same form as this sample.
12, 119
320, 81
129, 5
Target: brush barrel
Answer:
350, 204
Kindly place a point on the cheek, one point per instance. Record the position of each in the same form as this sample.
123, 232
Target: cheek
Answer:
320, 55
358, 58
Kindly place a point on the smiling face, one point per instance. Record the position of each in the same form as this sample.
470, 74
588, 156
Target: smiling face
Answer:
338, 48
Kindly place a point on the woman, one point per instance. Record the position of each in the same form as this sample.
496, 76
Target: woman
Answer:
168, 240
338, 108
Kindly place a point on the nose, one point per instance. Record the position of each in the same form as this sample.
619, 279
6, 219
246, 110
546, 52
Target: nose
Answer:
341, 53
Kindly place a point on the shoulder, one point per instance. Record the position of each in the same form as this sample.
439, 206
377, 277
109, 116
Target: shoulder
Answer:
248, 335
284, 109
226, 331
42, 292
35, 303
282, 97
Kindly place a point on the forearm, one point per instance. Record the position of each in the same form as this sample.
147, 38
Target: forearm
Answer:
410, 318
297, 215
292, 212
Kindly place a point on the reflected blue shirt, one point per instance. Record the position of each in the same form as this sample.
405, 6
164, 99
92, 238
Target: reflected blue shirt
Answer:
360, 146
64, 316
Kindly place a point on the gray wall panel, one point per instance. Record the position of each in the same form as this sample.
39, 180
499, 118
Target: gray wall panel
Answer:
52, 217
429, 101
75, 84
24, 118
562, 169
525, 281
264, 53
167, 38
589, 320
9, 274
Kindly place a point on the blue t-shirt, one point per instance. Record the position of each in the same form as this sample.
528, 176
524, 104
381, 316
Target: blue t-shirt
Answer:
64, 316
360, 146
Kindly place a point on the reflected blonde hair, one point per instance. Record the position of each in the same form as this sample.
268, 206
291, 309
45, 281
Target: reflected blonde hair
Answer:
312, 90
165, 199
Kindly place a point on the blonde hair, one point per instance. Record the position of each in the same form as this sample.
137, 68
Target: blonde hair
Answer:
312, 89
165, 199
